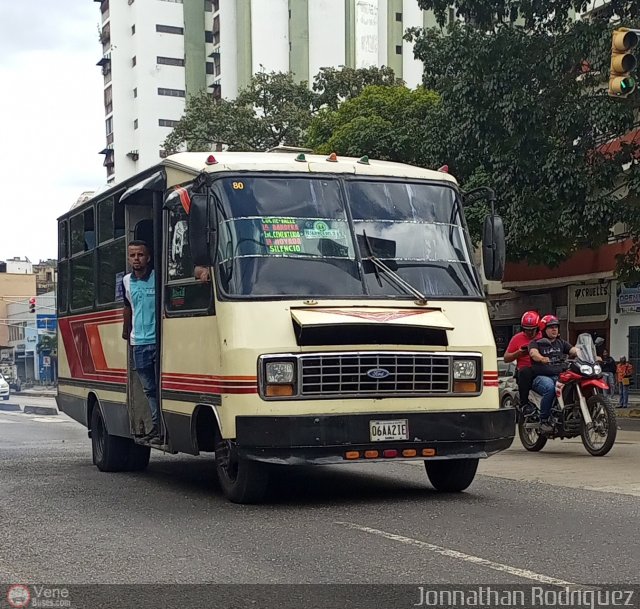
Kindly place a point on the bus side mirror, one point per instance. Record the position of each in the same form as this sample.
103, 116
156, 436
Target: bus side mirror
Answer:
199, 230
493, 248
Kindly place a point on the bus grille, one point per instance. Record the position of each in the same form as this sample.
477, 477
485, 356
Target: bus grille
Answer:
346, 374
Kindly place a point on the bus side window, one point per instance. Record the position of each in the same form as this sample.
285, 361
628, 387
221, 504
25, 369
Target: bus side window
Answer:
184, 293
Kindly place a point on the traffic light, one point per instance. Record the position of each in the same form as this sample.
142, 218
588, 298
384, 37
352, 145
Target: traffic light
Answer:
623, 61
32, 305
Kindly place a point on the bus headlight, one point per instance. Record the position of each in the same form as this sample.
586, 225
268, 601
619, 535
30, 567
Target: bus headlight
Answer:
464, 369
279, 379
279, 373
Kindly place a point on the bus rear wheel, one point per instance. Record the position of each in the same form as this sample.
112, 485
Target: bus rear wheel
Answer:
242, 480
451, 475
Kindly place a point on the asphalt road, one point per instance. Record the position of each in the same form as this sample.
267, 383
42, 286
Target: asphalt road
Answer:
558, 516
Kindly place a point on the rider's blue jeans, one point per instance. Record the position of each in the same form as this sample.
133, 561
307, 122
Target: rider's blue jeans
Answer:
546, 387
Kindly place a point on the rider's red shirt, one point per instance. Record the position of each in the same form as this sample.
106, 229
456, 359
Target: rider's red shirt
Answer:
518, 341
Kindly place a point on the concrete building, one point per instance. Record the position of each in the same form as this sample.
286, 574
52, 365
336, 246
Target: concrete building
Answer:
14, 288
157, 52
16, 266
26, 329
46, 272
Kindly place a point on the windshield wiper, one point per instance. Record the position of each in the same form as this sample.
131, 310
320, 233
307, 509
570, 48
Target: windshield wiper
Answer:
391, 275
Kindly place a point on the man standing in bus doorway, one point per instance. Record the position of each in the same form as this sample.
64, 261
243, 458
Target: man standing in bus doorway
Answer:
140, 326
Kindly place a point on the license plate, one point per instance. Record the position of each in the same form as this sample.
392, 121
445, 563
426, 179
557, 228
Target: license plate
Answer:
381, 431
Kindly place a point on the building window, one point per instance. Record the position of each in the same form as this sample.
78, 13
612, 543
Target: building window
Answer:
210, 67
108, 100
171, 92
216, 6
135, 123
109, 125
208, 36
169, 29
133, 61
170, 61
166, 122
398, 49
399, 17
133, 29
208, 6
135, 92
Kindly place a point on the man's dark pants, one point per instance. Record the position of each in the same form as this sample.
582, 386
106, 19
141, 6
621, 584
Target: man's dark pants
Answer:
525, 380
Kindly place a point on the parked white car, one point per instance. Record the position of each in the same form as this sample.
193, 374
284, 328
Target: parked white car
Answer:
5, 392
507, 384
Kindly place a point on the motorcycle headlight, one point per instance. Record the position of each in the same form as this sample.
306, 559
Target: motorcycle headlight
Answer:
597, 369
464, 369
586, 369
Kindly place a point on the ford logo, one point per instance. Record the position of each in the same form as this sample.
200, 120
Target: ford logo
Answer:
378, 373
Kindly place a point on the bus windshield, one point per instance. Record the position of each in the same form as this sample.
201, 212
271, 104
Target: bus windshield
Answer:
302, 237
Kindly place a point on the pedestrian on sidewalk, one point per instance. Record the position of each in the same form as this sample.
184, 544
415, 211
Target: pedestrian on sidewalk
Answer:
624, 370
609, 371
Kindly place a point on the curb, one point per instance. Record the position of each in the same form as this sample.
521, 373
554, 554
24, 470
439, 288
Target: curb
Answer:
9, 407
628, 413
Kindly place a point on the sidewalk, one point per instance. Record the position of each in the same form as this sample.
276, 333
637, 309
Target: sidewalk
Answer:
37, 391
632, 412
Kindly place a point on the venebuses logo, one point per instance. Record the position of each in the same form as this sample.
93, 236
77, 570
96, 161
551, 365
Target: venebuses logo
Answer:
18, 596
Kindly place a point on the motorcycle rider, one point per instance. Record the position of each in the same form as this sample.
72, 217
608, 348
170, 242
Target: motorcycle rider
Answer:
518, 350
546, 355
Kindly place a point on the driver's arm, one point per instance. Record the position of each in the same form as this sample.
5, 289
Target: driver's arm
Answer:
536, 357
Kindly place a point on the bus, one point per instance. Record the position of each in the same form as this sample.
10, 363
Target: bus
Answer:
343, 320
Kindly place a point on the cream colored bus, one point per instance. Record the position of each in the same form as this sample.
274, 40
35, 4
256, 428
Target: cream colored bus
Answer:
344, 320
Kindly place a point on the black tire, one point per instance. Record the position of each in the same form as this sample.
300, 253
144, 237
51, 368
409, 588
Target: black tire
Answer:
242, 480
451, 475
138, 457
110, 453
507, 401
5, 397
605, 427
531, 438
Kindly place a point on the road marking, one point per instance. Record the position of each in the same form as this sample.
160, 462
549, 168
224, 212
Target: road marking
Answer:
483, 562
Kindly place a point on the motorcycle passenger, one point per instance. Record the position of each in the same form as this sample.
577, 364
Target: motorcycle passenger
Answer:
546, 355
518, 350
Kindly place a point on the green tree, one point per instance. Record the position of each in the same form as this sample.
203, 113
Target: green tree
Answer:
523, 109
272, 110
384, 122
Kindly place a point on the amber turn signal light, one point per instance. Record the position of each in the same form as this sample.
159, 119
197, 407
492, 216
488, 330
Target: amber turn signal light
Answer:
352, 454
465, 387
279, 391
428, 452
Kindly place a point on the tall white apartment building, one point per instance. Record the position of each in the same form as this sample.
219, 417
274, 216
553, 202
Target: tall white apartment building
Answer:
157, 52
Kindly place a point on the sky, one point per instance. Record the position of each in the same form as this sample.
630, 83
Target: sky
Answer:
51, 119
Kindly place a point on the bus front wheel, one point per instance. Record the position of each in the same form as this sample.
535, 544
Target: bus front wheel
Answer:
451, 475
242, 480
113, 453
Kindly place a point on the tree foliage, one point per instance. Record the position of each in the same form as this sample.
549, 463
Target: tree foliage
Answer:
272, 110
523, 109
383, 122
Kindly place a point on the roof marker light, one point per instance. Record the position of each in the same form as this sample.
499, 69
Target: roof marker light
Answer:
211, 160
332, 158
444, 169
364, 160
301, 158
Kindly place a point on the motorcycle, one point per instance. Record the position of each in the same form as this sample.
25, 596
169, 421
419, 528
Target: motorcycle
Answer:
580, 407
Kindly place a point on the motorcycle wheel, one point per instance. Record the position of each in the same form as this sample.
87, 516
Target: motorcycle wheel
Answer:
599, 439
531, 438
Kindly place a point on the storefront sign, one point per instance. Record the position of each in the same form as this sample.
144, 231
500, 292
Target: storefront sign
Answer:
628, 298
589, 302
513, 308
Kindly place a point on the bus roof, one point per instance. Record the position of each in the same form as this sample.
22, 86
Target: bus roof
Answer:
299, 162
193, 163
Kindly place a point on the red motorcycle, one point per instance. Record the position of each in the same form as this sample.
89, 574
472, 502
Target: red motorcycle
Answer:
580, 407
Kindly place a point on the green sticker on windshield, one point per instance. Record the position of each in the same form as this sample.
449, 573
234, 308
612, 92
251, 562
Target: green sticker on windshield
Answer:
321, 230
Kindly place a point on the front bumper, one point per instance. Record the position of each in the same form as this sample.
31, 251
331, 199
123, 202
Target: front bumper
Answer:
325, 438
